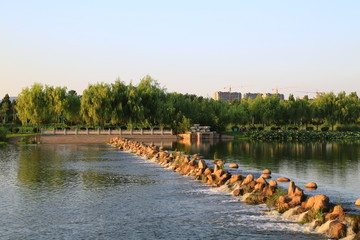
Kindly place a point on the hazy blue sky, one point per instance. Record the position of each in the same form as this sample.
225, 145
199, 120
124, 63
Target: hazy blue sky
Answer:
188, 46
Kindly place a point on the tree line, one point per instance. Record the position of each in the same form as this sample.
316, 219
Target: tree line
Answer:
148, 105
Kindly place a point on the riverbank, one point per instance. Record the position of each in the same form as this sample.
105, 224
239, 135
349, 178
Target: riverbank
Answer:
317, 212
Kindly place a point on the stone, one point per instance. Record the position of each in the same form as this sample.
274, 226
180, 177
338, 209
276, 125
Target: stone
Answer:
248, 179
235, 178
208, 171
317, 202
273, 183
337, 230
283, 179
266, 171
201, 164
261, 180
291, 189
237, 192
311, 185
233, 165
357, 202
337, 213
266, 176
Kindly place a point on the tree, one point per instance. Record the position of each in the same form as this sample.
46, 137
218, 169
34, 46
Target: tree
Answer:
5, 108
32, 105
96, 104
72, 107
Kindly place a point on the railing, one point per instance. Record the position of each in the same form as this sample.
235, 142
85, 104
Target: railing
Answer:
107, 132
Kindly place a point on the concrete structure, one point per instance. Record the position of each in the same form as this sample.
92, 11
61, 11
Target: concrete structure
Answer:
227, 96
281, 96
251, 95
264, 95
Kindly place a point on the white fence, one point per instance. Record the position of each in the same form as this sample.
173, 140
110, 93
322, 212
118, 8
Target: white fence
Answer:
107, 132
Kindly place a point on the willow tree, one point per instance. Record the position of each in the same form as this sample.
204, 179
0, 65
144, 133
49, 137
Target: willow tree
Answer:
96, 104
118, 103
152, 98
72, 107
32, 105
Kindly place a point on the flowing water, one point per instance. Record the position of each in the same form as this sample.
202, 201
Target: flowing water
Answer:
98, 192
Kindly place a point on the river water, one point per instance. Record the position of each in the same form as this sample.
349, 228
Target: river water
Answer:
98, 192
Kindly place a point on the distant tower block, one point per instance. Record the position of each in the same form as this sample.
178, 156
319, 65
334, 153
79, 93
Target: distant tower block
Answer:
227, 96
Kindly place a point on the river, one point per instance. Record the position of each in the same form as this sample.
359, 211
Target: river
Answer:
97, 192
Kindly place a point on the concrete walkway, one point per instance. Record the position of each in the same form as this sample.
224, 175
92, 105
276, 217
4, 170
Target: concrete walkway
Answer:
98, 139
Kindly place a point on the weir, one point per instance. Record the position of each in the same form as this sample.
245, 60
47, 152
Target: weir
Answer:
317, 211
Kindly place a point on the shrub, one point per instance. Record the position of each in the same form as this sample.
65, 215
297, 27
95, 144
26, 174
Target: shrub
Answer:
309, 128
324, 129
3, 133
15, 129
260, 128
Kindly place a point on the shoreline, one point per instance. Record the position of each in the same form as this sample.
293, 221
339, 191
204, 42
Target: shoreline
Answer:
315, 212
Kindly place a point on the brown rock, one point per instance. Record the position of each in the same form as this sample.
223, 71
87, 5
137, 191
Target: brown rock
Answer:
266, 176
337, 230
233, 165
235, 178
317, 202
272, 183
202, 164
218, 173
311, 185
283, 179
337, 213
291, 189
248, 179
207, 171
259, 187
218, 162
261, 180
295, 201
266, 171
238, 192
269, 191
357, 203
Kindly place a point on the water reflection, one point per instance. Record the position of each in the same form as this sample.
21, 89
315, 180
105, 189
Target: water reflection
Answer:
336, 164
53, 167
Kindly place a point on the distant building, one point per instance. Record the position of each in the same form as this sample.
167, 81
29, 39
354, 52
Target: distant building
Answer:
281, 96
227, 96
251, 95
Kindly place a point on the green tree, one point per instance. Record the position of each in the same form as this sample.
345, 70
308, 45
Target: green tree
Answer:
72, 107
96, 104
5, 108
32, 105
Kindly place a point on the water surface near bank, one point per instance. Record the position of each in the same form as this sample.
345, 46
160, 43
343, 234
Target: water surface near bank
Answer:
334, 166
98, 192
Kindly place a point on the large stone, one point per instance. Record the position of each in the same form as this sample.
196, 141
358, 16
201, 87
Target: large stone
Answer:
291, 189
261, 180
233, 165
317, 202
311, 185
283, 179
235, 178
272, 183
357, 202
248, 179
337, 230
337, 213
202, 164
266, 176
208, 171
266, 171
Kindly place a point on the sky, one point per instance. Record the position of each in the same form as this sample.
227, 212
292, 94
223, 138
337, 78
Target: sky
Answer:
196, 47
